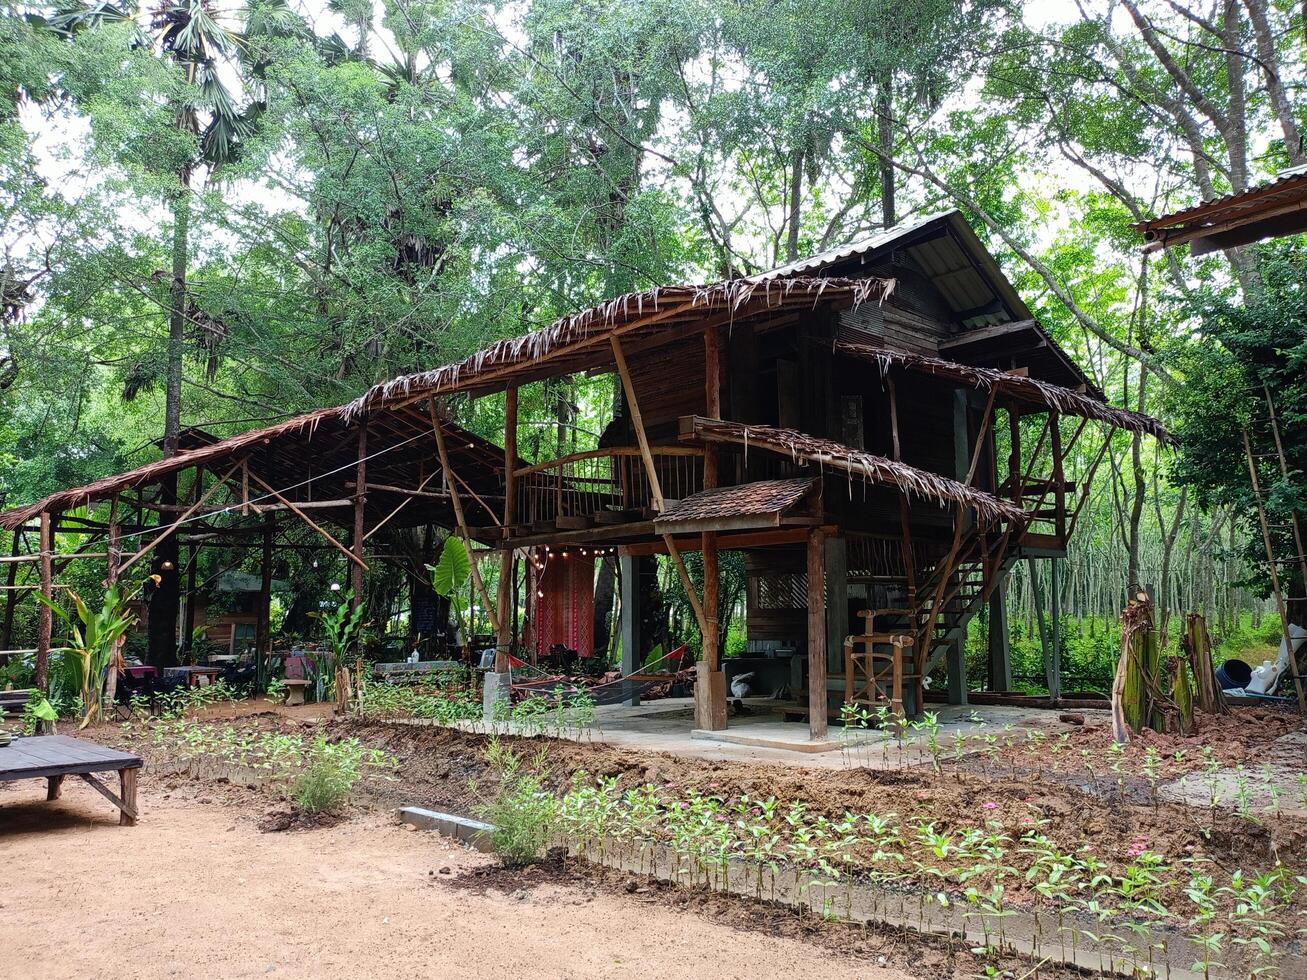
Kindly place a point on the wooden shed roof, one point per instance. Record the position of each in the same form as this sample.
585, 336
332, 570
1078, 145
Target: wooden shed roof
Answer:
1273, 209
321, 449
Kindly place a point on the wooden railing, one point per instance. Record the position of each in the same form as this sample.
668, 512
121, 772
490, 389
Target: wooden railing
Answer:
610, 481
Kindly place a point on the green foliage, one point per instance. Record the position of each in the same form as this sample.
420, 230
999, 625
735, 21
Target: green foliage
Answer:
330, 771
93, 641
521, 811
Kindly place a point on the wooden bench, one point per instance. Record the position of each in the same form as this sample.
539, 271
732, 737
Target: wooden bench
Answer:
52, 757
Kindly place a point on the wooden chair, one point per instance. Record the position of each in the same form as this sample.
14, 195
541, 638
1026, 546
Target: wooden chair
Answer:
877, 664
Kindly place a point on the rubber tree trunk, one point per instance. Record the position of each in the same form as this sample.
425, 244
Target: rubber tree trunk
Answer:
165, 602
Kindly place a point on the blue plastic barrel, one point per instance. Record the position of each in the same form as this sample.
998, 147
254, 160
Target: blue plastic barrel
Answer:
1233, 675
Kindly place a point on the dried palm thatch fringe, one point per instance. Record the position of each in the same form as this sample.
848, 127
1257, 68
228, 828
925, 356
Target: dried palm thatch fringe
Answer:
588, 327
1053, 396
856, 462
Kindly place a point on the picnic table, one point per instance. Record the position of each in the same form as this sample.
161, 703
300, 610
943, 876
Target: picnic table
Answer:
52, 757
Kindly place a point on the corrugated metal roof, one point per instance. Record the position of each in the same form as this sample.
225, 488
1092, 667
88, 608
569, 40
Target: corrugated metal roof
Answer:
1291, 180
862, 246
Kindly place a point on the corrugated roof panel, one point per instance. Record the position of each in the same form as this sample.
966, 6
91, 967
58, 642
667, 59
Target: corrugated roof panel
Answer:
863, 246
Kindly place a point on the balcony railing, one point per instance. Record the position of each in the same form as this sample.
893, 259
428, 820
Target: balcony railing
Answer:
603, 485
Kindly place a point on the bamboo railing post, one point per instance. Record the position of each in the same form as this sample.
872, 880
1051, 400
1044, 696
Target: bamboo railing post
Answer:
1275, 574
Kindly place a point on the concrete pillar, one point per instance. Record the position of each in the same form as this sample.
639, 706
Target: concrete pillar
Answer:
629, 626
957, 670
1000, 653
498, 687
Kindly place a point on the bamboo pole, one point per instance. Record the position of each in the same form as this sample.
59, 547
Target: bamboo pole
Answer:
295, 509
1284, 472
1275, 574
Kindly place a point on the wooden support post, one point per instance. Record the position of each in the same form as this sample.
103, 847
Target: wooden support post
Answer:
711, 591
817, 699
1055, 641
54, 787
504, 630
957, 670
188, 617
44, 623
360, 499
456, 502
1059, 474
264, 622
127, 792
632, 643
115, 553
1294, 517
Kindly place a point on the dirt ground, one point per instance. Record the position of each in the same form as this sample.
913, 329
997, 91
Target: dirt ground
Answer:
181, 891
196, 890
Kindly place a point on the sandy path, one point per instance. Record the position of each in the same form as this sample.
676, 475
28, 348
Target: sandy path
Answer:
196, 890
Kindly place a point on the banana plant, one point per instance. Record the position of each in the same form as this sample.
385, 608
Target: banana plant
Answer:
450, 575
94, 639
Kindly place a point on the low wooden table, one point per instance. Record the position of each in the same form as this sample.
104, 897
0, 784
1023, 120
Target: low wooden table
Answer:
193, 675
51, 757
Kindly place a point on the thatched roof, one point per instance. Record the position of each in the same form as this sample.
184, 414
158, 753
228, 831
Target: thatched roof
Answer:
580, 341
317, 447
800, 446
1025, 389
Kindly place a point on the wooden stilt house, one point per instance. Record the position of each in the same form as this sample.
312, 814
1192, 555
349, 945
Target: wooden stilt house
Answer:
881, 429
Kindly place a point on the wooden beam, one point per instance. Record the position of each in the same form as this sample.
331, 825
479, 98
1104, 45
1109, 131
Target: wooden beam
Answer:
443, 452
817, 698
168, 532
44, 623
295, 509
360, 499
732, 542
504, 630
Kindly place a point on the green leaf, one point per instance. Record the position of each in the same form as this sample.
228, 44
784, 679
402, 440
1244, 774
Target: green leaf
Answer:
450, 574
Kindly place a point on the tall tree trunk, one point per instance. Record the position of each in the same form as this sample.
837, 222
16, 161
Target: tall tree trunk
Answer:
796, 206
885, 142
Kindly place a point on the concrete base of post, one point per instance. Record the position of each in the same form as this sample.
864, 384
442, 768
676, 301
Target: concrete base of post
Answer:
497, 687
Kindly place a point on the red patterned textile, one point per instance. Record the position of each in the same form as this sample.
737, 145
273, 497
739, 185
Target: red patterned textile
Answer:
565, 612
